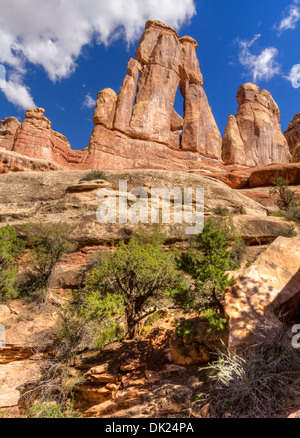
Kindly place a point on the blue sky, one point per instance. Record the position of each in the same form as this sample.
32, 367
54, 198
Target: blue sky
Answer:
59, 55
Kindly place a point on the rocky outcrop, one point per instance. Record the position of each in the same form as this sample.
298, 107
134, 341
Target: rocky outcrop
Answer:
266, 175
36, 139
296, 154
139, 127
8, 129
270, 284
195, 342
253, 137
292, 134
60, 196
14, 162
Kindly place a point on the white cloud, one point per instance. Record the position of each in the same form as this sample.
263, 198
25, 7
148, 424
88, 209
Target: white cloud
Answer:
52, 35
261, 66
291, 19
89, 102
294, 76
17, 93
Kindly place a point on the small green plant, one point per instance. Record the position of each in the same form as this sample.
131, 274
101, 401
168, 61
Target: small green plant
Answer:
49, 409
279, 213
11, 248
289, 231
207, 264
220, 211
286, 196
94, 174
216, 322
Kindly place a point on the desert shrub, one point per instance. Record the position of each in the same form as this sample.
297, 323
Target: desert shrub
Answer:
52, 394
88, 320
220, 211
47, 243
140, 274
155, 236
288, 231
125, 286
286, 196
255, 381
94, 174
49, 409
207, 263
293, 213
279, 213
11, 248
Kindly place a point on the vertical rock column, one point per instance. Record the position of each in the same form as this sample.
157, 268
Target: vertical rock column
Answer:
200, 132
126, 97
159, 53
254, 136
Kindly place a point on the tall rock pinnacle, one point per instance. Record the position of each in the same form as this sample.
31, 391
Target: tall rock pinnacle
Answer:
254, 136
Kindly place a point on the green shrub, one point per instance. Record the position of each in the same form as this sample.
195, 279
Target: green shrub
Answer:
207, 264
47, 244
286, 197
88, 320
288, 232
293, 213
279, 213
49, 409
94, 174
220, 211
139, 274
126, 285
11, 248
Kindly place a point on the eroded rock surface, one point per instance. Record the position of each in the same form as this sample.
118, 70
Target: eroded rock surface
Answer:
254, 136
292, 134
271, 282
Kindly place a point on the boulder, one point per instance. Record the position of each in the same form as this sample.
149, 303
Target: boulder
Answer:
105, 108
195, 341
272, 282
253, 137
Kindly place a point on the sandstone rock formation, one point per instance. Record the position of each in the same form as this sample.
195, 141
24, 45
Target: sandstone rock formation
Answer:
272, 282
144, 127
254, 136
139, 127
292, 133
36, 139
14, 162
265, 175
8, 128
296, 154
